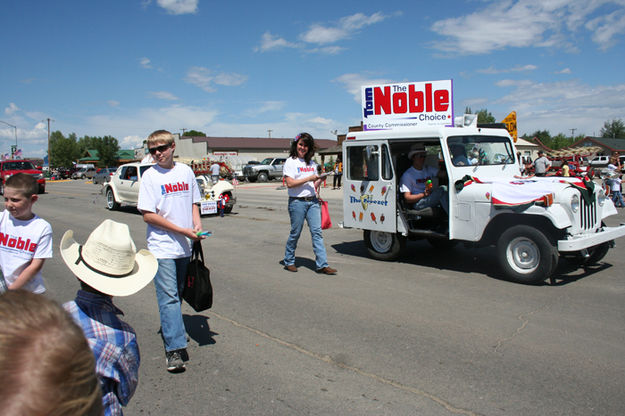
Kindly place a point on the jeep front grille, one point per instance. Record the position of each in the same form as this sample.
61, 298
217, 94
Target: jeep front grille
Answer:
588, 214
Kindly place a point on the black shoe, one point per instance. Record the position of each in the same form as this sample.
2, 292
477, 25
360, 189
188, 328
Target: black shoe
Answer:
174, 361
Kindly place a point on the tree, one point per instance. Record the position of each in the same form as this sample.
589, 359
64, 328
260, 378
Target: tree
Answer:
560, 141
194, 133
483, 116
614, 129
63, 150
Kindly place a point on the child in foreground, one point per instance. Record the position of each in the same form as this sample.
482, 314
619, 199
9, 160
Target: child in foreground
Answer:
25, 238
108, 265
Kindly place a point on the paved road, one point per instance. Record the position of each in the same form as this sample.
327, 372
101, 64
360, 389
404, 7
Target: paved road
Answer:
436, 333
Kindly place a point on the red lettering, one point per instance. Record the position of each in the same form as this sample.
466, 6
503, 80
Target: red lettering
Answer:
441, 100
168, 188
32, 247
12, 242
382, 100
4, 239
400, 105
20, 243
415, 99
428, 98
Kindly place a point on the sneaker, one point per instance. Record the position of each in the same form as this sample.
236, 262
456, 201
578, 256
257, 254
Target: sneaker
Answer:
174, 361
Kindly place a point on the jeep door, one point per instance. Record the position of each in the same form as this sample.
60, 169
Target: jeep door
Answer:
369, 200
128, 187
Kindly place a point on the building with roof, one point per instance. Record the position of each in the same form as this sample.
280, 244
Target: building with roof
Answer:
236, 151
123, 156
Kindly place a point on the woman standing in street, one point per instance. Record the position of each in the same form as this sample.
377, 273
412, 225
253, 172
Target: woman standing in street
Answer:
302, 181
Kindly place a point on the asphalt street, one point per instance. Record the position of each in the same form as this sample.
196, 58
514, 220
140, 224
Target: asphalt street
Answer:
435, 333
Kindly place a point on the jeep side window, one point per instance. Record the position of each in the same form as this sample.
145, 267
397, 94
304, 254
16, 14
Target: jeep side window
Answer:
363, 163
387, 171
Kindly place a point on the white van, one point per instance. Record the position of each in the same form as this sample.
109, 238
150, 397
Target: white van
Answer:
531, 221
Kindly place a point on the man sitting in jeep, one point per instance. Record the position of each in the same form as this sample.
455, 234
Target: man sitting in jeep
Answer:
413, 182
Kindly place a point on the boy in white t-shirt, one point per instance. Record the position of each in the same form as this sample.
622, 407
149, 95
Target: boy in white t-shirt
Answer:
25, 238
167, 199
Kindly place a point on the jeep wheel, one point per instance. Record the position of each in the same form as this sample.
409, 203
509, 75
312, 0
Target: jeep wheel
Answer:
526, 255
262, 177
83, 176
597, 253
111, 204
384, 246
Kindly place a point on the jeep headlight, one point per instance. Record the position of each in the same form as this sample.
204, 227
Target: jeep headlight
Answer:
575, 203
601, 197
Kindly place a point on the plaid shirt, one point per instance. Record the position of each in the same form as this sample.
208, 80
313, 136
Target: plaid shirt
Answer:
114, 345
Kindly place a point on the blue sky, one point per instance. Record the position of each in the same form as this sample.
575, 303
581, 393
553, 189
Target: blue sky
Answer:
128, 67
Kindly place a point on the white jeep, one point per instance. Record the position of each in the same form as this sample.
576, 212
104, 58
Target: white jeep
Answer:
531, 221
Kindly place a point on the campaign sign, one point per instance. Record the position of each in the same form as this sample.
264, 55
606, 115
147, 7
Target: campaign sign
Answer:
208, 207
412, 104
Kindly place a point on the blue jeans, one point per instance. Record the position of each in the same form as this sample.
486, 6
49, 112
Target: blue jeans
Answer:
617, 198
438, 196
169, 282
311, 212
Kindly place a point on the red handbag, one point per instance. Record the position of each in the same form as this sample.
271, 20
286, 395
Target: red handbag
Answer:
326, 222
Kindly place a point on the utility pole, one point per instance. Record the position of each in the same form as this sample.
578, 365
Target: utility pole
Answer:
49, 157
572, 133
183, 130
269, 131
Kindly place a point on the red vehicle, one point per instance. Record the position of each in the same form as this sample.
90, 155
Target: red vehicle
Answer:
11, 167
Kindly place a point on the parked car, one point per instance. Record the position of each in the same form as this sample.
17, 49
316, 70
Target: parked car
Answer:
123, 186
11, 167
103, 175
84, 173
269, 168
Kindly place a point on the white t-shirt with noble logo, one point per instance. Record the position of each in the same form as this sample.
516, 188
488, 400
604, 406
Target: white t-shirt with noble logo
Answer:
297, 169
20, 242
171, 194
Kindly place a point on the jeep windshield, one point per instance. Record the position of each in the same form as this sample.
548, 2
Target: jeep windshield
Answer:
22, 165
266, 161
480, 150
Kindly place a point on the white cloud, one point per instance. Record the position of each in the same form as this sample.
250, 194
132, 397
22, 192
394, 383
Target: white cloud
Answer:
131, 142
564, 71
518, 68
327, 50
265, 107
269, 42
353, 82
530, 23
606, 28
11, 109
179, 6
163, 95
146, 63
344, 28
204, 78
113, 103
559, 106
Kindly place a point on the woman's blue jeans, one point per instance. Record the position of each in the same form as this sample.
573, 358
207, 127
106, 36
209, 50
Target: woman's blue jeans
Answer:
300, 210
169, 282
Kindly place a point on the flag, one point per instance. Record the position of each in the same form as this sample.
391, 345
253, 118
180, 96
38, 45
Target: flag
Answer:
18, 153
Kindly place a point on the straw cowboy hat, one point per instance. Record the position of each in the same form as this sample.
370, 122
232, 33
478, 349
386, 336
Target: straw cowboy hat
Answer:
109, 261
416, 148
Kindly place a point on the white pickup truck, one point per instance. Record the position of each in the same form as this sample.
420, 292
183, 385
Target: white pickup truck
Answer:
531, 221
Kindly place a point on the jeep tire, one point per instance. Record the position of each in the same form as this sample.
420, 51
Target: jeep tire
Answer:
384, 246
526, 255
263, 177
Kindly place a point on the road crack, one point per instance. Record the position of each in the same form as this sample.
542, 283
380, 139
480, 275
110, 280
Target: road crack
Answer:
329, 360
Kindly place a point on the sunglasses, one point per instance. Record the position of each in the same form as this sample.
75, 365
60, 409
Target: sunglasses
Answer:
160, 148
